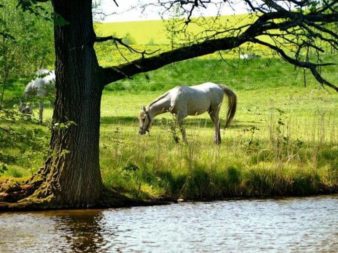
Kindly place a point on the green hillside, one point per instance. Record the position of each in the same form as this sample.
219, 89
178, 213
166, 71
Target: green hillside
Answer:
155, 31
163, 35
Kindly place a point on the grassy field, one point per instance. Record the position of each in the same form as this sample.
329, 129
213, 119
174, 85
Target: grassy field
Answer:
283, 141
157, 36
152, 32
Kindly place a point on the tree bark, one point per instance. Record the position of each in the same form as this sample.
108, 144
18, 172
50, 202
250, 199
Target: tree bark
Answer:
71, 175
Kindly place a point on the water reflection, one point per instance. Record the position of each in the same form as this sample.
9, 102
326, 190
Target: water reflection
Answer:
300, 225
81, 230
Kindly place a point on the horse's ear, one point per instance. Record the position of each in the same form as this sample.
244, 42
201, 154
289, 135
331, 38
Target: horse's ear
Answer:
144, 108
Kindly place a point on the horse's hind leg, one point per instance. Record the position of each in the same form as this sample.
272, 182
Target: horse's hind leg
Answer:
214, 115
180, 118
184, 136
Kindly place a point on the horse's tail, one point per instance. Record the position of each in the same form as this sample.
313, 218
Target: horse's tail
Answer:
232, 104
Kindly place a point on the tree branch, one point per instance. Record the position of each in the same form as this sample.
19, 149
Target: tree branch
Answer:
111, 74
309, 65
119, 41
282, 20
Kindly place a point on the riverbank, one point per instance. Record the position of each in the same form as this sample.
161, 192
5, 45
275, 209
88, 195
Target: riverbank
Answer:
114, 199
199, 185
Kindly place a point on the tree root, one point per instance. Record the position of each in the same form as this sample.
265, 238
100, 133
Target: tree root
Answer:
26, 197
29, 204
15, 192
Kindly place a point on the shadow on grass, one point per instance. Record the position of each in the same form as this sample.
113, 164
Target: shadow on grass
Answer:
133, 121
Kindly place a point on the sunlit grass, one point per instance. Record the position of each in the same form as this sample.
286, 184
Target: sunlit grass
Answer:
155, 31
155, 36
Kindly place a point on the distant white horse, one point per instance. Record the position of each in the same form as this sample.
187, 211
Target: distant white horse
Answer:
194, 100
249, 56
41, 87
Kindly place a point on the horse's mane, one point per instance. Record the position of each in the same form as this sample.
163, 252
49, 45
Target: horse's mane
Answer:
158, 99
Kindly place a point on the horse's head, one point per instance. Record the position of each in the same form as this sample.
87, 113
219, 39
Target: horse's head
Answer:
145, 121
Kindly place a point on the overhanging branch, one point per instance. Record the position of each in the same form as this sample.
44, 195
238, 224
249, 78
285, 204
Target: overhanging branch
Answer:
309, 65
119, 41
111, 74
283, 21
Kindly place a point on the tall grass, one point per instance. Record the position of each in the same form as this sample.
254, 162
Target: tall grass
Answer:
244, 165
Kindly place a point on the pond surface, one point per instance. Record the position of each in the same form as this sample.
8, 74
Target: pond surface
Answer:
286, 225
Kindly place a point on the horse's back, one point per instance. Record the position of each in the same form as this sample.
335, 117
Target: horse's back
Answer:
199, 90
208, 87
196, 99
213, 91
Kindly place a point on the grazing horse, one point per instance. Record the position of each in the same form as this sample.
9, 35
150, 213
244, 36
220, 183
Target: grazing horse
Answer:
191, 100
41, 87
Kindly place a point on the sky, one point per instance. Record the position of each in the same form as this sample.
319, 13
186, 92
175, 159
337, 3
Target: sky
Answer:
129, 10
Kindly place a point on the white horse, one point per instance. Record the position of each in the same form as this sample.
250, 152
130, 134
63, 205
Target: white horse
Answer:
194, 100
41, 87
249, 56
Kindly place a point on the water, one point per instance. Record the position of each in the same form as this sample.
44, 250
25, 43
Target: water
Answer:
289, 225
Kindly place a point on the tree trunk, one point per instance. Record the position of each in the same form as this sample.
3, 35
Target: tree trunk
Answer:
71, 175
